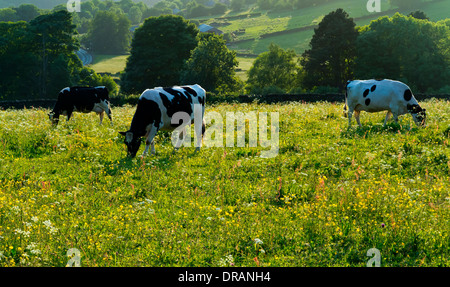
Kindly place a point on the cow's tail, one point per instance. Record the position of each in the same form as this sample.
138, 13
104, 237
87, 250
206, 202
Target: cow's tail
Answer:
345, 99
109, 113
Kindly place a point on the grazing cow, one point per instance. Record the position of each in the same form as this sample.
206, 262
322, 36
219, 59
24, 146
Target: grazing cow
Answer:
81, 99
381, 95
155, 111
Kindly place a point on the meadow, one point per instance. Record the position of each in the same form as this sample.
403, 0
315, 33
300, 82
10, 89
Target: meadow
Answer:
329, 195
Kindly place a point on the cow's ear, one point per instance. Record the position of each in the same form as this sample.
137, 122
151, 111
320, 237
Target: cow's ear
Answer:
123, 133
409, 107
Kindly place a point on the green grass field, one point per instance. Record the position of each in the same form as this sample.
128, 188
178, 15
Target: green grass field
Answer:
109, 63
329, 195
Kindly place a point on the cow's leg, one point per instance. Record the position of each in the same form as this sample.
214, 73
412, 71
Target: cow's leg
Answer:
350, 113
149, 141
153, 151
388, 116
69, 115
181, 137
357, 113
200, 134
108, 113
101, 117
395, 116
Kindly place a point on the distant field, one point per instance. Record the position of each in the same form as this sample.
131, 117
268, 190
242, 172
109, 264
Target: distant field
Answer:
115, 64
245, 64
299, 41
326, 198
109, 63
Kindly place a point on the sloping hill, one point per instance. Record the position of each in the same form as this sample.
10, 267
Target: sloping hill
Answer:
48, 4
294, 29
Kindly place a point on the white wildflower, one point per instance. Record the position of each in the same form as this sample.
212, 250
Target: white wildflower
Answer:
50, 227
15, 208
227, 261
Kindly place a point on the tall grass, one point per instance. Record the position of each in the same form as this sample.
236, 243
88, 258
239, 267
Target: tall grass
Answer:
329, 196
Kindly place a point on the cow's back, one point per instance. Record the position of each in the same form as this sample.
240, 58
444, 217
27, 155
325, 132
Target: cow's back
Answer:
166, 101
379, 95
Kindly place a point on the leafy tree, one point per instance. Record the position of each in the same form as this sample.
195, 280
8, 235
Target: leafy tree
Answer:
19, 65
158, 51
330, 60
211, 65
126, 5
218, 9
419, 15
407, 49
154, 12
237, 5
274, 68
27, 12
135, 15
109, 33
53, 35
88, 77
197, 10
7, 15
39, 58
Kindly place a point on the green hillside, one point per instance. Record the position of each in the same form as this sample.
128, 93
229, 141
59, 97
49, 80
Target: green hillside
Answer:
257, 28
49, 4
259, 25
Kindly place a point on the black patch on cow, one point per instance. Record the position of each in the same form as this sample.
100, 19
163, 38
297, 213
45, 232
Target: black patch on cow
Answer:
367, 102
201, 100
178, 94
190, 91
147, 112
366, 92
407, 95
373, 88
414, 108
179, 103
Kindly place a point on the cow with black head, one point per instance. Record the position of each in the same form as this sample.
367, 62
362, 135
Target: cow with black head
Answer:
160, 109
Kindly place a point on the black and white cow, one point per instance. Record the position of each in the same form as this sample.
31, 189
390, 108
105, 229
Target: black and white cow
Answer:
382, 95
158, 109
81, 99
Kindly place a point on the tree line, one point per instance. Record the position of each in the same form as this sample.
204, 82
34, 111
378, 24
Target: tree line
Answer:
104, 25
167, 50
37, 58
